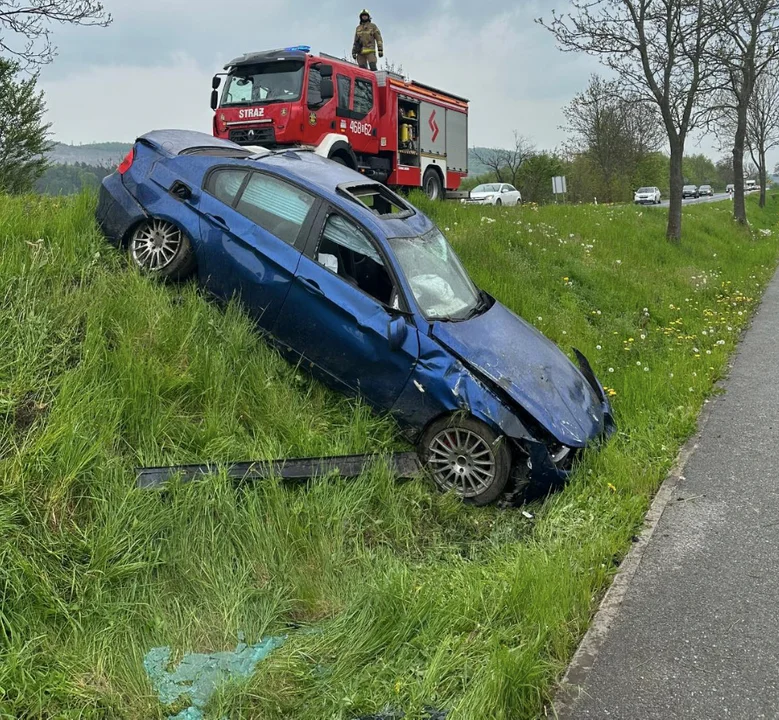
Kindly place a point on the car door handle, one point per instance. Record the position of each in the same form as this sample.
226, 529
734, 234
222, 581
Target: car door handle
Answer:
217, 221
311, 286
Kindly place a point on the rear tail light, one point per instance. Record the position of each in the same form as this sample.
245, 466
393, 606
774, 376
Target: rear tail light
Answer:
127, 163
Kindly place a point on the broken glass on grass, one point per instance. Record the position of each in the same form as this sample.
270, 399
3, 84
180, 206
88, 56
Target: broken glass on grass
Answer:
198, 675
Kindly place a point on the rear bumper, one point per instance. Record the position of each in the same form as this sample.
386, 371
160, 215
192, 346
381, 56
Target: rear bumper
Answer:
117, 210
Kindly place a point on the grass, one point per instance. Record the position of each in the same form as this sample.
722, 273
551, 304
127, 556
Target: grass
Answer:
391, 594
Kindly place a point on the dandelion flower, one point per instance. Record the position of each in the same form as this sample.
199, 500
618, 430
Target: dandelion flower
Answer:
611, 370
598, 347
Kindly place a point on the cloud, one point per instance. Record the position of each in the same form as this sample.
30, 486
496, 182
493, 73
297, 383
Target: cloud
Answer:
119, 103
152, 67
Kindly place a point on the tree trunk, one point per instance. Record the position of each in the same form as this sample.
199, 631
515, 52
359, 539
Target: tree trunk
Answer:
739, 206
763, 176
674, 231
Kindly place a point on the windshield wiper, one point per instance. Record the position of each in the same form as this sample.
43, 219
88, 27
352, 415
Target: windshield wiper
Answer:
478, 309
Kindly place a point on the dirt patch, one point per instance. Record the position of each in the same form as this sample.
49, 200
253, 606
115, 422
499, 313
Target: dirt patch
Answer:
28, 410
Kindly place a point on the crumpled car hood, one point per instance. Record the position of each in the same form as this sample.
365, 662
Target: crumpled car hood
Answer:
531, 369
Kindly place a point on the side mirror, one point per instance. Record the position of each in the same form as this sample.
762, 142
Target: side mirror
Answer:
214, 99
326, 89
216, 82
397, 332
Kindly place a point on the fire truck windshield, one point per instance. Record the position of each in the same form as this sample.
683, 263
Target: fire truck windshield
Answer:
280, 81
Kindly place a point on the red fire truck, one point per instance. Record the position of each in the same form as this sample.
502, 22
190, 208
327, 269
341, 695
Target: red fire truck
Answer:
399, 132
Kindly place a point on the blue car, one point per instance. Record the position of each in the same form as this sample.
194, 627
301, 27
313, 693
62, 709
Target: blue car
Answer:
350, 280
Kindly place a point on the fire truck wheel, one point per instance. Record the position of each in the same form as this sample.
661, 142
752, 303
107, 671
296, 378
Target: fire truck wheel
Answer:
432, 185
160, 248
338, 159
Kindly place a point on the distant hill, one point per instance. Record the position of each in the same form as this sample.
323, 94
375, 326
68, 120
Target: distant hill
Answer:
476, 168
111, 154
95, 154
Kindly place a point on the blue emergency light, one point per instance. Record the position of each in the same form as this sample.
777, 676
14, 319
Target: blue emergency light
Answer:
298, 48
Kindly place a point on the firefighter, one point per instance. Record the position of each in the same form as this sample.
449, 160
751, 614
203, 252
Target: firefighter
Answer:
367, 40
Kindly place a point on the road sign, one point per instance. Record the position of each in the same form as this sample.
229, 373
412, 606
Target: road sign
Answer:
558, 185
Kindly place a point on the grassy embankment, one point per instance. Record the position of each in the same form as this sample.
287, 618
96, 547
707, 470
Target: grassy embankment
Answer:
416, 600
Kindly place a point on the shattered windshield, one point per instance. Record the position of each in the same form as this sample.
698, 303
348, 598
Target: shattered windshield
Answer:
438, 280
280, 81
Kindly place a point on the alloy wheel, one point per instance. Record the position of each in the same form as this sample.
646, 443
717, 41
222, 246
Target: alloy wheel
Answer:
461, 460
155, 244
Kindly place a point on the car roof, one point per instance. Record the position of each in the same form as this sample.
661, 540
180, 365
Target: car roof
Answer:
308, 169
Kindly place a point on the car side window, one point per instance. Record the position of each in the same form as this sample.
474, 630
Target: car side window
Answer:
348, 252
276, 206
344, 92
225, 184
363, 97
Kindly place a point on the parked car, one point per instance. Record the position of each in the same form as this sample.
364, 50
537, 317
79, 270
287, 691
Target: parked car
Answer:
730, 189
705, 190
348, 279
495, 194
689, 191
647, 195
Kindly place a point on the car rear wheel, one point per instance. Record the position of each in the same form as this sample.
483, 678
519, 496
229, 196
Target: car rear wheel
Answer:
464, 455
432, 185
158, 246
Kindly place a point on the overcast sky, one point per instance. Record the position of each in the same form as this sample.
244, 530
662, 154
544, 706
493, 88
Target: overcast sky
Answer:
152, 67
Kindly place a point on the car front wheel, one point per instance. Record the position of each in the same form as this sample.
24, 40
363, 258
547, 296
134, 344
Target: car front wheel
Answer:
159, 247
464, 455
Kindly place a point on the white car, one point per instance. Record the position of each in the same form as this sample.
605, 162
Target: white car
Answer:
647, 195
495, 194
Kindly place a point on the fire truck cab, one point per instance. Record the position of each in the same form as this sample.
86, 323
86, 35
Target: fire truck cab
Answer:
399, 132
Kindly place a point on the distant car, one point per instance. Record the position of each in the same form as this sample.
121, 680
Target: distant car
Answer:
495, 194
690, 191
646, 195
730, 189
350, 281
750, 185
705, 190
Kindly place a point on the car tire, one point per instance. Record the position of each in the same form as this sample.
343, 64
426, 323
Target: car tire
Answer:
498, 202
161, 248
432, 185
465, 455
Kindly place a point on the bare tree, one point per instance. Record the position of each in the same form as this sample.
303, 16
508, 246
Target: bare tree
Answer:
506, 164
658, 49
614, 130
763, 126
25, 25
746, 47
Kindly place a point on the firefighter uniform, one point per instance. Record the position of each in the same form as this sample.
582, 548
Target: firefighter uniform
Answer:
367, 41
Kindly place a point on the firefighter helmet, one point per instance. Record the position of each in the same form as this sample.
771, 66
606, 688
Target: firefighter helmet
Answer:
366, 13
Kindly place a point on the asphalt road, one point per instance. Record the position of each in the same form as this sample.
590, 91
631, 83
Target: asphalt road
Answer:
697, 633
695, 201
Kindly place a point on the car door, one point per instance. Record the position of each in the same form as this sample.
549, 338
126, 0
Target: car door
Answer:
339, 317
253, 226
513, 195
357, 112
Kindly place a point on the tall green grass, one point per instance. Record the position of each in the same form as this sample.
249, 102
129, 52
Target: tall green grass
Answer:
391, 595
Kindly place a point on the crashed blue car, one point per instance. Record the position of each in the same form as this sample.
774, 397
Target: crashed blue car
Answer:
350, 280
